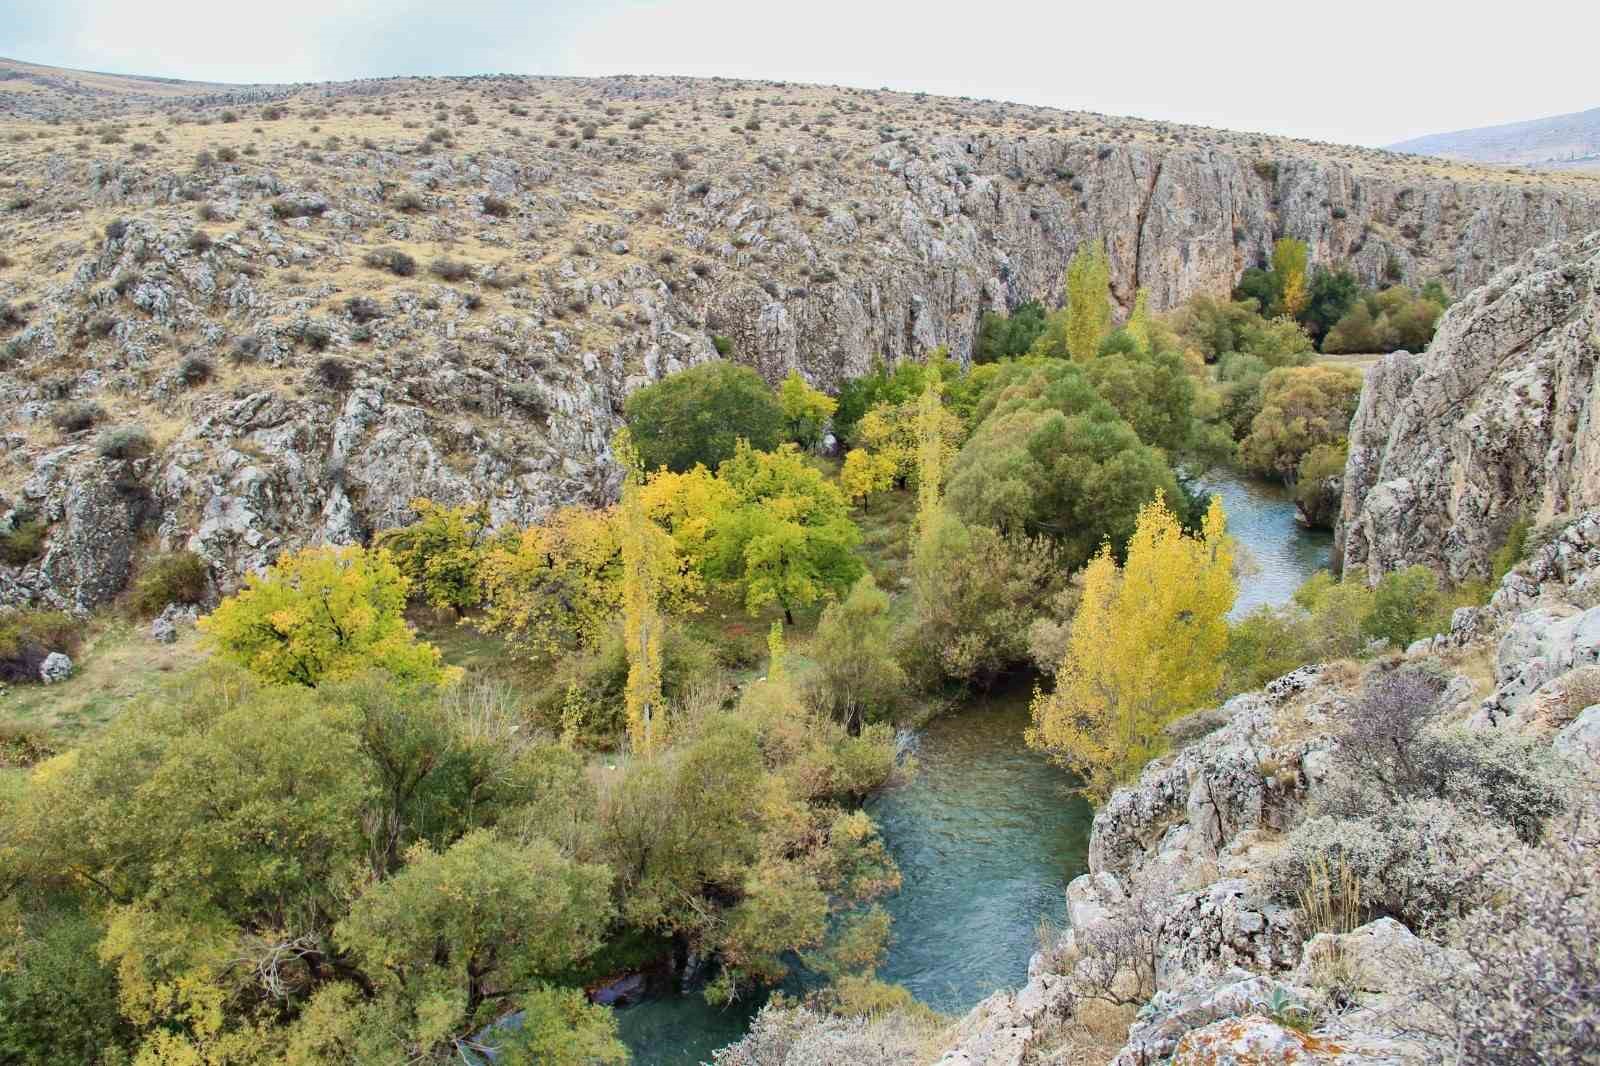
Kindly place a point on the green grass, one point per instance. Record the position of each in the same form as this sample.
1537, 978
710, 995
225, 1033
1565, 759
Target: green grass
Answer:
117, 664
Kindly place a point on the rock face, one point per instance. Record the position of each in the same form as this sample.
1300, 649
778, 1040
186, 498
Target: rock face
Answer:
329, 392
1499, 419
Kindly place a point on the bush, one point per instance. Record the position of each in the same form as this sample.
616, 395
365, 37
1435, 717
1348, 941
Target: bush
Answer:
76, 417
172, 577
363, 309
495, 207
125, 442
199, 241
315, 335
858, 679
27, 636
245, 349
23, 542
284, 207
447, 269
393, 260
698, 415
333, 374
22, 746
195, 370
1526, 993
1317, 485
1406, 605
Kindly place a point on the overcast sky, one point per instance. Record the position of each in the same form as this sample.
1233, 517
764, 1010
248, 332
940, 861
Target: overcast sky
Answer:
1355, 71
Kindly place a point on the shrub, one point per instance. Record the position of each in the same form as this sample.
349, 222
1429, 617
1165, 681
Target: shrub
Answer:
393, 260
245, 349
363, 308
284, 207
448, 269
1301, 407
125, 442
27, 636
1421, 861
1526, 991
172, 577
11, 316
334, 374
76, 417
195, 370
21, 746
315, 335
496, 207
23, 542
410, 202
199, 241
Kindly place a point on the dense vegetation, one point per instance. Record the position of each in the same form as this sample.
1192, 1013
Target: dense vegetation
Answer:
324, 845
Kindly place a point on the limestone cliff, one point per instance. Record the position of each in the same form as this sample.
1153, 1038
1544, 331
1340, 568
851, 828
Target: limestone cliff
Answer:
1496, 420
210, 267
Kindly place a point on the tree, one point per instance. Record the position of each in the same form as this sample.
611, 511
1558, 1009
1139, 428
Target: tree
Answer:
933, 457
858, 678
643, 630
1318, 483
324, 613
560, 1027
1088, 301
1333, 292
805, 410
1008, 336
439, 553
1404, 602
1138, 324
1289, 268
1153, 391
503, 914
976, 594
789, 538
1146, 646
1301, 407
1050, 457
558, 585
864, 474
698, 415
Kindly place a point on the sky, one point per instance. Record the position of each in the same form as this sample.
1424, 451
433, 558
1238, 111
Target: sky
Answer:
1355, 71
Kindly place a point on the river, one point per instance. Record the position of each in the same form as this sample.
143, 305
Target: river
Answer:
986, 833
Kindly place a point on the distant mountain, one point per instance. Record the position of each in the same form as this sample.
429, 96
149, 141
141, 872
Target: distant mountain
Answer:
1559, 142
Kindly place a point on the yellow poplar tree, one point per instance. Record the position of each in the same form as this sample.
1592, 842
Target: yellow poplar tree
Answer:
864, 473
1289, 265
1138, 326
1146, 646
777, 671
932, 457
643, 630
1088, 301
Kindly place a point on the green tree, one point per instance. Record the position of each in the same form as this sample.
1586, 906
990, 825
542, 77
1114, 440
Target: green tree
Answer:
324, 613
1088, 301
1050, 457
1317, 484
560, 1027
805, 410
1333, 292
976, 593
1301, 407
473, 925
1008, 336
858, 677
698, 416
788, 539
1404, 603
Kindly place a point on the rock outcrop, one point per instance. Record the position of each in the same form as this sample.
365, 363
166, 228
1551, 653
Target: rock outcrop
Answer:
1498, 420
305, 391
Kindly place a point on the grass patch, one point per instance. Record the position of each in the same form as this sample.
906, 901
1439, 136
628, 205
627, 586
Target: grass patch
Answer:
117, 664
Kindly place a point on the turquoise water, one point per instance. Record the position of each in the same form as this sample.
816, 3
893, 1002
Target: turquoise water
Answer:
986, 833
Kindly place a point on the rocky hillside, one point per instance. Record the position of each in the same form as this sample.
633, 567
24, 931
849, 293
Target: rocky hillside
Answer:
242, 318
1498, 420
1559, 141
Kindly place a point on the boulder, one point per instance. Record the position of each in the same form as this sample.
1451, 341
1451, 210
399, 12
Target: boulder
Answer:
57, 666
